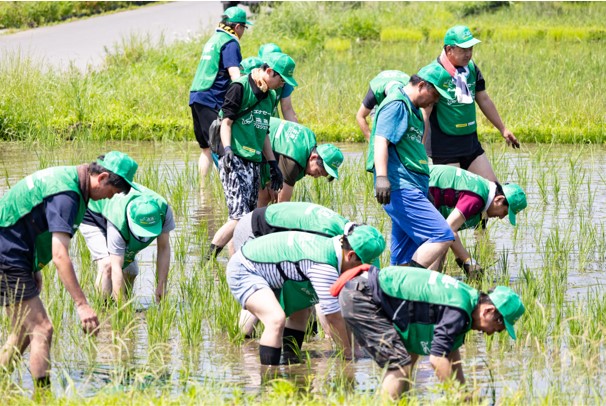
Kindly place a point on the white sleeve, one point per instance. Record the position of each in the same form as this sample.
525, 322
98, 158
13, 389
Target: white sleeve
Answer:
322, 277
115, 243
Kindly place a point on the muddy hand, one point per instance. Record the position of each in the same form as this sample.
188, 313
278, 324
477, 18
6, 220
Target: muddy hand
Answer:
88, 318
511, 139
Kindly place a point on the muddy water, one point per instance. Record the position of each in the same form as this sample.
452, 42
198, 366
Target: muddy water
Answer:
562, 184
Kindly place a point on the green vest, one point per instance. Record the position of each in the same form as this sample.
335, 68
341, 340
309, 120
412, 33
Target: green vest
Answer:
114, 211
248, 132
293, 140
457, 118
31, 191
422, 285
278, 98
410, 149
450, 177
291, 246
382, 83
208, 67
308, 217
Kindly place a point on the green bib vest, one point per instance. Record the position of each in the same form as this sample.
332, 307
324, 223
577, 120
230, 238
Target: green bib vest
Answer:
422, 285
114, 211
458, 118
31, 191
208, 67
293, 140
382, 83
248, 132
303, 216
291, 246
410, 149
450, 177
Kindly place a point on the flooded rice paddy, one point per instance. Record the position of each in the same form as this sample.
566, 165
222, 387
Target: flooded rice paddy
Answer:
554, 258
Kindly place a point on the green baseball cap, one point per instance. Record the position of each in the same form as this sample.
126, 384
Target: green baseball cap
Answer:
516, 198
250, 63
120, 164
284, 65
144, 218
235, 15
460, 36
332, 158
367, 242
439, 77
510, 305
266, 49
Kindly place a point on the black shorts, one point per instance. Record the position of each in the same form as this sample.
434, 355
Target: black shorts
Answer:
463, 161
370, 325
17, 285
203, 116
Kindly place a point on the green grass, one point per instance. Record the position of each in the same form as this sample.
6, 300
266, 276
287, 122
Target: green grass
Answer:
30, 14
539, 59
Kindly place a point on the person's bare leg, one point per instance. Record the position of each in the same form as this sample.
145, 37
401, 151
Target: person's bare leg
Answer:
103, 283
264, 305
17, 341
396, 381
36, 331
247, 322
205, 163
430, 254
482, 167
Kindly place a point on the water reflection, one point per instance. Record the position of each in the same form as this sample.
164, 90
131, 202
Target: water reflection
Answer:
563, 220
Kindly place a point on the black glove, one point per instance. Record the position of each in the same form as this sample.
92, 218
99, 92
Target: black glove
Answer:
275, 174
383, 190
228, 158
471, 268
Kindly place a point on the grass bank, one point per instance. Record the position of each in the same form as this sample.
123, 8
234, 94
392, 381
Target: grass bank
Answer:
30, 14
539, 59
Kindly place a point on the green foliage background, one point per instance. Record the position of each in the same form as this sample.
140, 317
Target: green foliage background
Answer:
543, 64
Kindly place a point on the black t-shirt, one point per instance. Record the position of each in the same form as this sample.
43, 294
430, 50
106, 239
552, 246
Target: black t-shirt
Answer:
441, 145
55, 214
370, 100
260, 226
233, 97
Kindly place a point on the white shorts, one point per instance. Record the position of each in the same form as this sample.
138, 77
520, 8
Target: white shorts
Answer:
96, 241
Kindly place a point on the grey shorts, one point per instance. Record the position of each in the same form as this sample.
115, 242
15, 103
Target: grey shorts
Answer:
240, 186
243, 232
241, 281
96, 241
371, 326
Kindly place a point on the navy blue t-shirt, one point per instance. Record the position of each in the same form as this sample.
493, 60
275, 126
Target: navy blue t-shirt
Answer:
55, 214
213, 97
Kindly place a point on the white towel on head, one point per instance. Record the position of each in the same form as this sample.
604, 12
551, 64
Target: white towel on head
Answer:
462, 92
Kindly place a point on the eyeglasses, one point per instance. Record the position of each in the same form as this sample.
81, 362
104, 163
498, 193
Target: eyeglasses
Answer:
281, 78
243, 26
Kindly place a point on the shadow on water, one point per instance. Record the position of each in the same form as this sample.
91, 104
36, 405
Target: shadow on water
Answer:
191, 348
